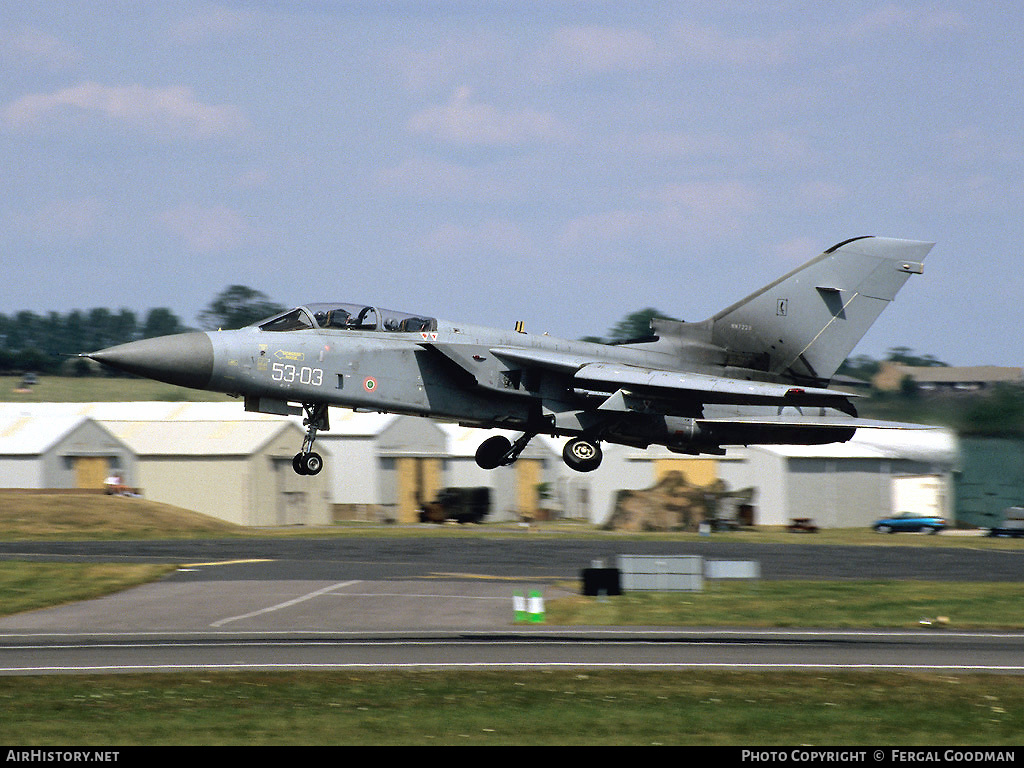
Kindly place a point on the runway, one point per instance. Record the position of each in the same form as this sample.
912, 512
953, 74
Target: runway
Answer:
443, 604
570, 649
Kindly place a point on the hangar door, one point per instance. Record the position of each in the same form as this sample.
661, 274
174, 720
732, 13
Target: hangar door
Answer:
698, 472
528, 479
920, 495
838, 493
418, 481
90, 471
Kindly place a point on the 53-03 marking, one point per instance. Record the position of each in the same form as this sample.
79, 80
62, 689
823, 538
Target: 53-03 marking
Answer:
288, 373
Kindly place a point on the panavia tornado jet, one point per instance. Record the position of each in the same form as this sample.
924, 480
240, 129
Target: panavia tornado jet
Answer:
757, 372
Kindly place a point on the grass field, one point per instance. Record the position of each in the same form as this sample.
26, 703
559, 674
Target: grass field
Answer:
514, 707
26, 516
99, 389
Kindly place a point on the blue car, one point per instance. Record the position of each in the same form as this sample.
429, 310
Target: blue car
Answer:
909, 522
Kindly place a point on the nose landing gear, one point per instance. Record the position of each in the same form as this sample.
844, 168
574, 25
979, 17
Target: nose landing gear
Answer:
307, 461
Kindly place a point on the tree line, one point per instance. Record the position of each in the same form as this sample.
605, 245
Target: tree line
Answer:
47, 343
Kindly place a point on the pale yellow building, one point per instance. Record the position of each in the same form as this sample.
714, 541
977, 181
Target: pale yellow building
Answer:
238, 471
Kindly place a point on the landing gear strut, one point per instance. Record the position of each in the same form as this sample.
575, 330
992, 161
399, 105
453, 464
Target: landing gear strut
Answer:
306, 461
499, 451
581, 454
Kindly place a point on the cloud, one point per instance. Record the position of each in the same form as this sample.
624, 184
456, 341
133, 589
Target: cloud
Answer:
713, 205
602, 50
668, 214
597, 49
173, 111
32, 47
702, 43
464, 121
207, 230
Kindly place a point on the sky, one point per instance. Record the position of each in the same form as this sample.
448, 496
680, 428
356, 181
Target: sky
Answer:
560, 163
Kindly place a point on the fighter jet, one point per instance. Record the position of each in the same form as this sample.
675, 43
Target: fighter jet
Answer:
758, 372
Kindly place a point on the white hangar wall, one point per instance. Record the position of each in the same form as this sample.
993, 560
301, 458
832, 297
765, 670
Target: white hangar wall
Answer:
206, 458
238, 471
381, 461
56, 450
844, 484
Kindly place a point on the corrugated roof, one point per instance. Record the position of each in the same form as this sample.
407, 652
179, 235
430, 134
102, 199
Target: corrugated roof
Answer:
344, 422
221, 429
27, 435
195, 438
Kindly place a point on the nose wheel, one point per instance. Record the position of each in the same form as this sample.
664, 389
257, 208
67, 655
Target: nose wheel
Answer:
307, 461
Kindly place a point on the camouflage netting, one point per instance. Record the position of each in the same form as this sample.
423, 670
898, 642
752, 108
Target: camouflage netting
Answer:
672, 504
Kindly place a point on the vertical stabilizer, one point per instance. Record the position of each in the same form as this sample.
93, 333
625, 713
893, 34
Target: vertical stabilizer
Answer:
806, 323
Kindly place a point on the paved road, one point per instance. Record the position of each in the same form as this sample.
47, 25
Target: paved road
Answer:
526, 557
446, 602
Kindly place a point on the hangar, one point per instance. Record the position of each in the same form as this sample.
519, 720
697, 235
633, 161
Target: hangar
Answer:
529, 489
57, 451
195, 458
237, 471
382, 467
841, 485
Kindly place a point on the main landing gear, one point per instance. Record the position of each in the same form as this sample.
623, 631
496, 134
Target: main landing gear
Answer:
306, 461
499, 451
581, 454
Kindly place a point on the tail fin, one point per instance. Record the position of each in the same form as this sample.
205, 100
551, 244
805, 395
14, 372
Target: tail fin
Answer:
805, 324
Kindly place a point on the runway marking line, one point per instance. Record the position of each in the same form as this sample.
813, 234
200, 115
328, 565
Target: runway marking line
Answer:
420, 595
286, 604
227, 562
485, 577
966, 668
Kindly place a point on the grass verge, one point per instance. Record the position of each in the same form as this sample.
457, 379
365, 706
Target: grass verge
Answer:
514, 708
99, 389
30, 586
839, 604
42, 516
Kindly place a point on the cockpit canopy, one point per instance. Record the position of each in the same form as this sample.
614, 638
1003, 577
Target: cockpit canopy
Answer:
351, 317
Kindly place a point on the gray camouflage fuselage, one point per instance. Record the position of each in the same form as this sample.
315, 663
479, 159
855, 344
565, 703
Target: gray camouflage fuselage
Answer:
756, 372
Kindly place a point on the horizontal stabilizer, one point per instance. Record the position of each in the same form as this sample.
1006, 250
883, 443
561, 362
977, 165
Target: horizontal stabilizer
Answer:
812, 422
785, 429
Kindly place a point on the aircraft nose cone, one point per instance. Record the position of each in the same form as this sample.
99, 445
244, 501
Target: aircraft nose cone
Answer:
184, 359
